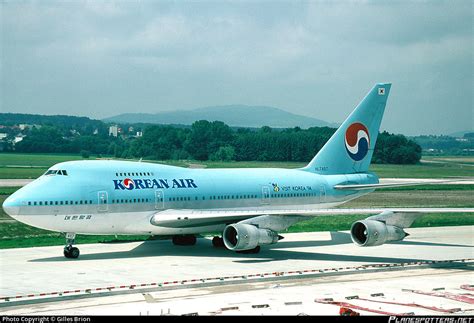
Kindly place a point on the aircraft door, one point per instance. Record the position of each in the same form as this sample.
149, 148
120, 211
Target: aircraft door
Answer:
322, 194
103, 203
265, 195
159, 200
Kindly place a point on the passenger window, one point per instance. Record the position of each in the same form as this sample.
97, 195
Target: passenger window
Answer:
29, 203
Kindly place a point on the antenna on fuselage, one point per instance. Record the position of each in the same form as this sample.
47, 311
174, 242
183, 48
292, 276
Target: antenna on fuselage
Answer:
140, 159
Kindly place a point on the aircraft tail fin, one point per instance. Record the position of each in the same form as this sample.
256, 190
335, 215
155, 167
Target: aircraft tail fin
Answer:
351, 147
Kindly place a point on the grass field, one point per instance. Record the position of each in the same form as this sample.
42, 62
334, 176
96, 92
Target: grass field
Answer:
33, 165
14, 234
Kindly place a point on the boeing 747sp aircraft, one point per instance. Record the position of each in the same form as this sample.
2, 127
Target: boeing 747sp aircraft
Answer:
249, 206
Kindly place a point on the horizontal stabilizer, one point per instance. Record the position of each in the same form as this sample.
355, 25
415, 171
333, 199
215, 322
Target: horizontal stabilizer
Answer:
358, 187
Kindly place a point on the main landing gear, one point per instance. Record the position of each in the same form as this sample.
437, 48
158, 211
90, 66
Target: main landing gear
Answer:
218, 242
69, 250
185, 240
250, 251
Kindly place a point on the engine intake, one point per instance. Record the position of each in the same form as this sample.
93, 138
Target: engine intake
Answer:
241, 236
368, 233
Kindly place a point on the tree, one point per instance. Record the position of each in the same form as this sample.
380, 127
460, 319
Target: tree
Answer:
224, 153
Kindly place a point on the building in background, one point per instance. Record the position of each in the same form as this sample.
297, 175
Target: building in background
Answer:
113, 131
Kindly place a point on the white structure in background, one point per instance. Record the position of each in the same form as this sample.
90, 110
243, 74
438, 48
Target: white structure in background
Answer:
3, 136
113, 131
17, 139
139, 133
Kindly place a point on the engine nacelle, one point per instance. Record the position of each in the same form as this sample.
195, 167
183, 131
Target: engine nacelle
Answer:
241, 236
368, 233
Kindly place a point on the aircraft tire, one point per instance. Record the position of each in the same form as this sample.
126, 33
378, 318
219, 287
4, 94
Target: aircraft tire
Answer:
250, 251
184, 240
218, 242
71, 252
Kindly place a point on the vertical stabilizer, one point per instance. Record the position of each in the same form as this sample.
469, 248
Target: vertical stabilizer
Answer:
351, 147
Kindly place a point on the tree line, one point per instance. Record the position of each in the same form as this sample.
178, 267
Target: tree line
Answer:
206, 140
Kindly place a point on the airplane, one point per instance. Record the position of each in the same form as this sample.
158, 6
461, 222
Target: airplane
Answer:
249, 206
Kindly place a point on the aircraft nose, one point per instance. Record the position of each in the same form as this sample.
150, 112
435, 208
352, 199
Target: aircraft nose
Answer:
11, 206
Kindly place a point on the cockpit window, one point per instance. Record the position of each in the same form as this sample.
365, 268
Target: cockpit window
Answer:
55, 172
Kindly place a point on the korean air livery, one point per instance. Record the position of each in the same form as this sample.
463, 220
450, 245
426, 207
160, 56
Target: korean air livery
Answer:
248, 207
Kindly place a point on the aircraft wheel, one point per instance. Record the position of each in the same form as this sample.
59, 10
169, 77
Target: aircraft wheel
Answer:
71, 252
184, 240
75, 252
250, 251
218, 242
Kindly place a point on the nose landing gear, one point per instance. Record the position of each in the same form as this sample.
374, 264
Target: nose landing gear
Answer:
69, 250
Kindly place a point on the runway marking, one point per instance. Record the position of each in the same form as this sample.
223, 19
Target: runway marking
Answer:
165, 295
44, 297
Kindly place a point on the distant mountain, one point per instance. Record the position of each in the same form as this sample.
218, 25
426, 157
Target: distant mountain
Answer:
232, 115
460, 134
10, 119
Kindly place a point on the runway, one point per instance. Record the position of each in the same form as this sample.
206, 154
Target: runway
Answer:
35, 271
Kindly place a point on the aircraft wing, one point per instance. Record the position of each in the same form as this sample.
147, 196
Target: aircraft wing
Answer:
185, 218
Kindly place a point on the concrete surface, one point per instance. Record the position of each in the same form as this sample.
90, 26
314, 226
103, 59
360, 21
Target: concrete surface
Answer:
14, 182
292, 297
44, 269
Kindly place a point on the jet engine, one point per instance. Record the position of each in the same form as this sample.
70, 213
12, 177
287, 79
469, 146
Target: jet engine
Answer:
368, 233
240, 236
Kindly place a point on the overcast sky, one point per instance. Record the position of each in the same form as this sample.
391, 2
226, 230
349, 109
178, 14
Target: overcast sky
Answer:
318, 58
